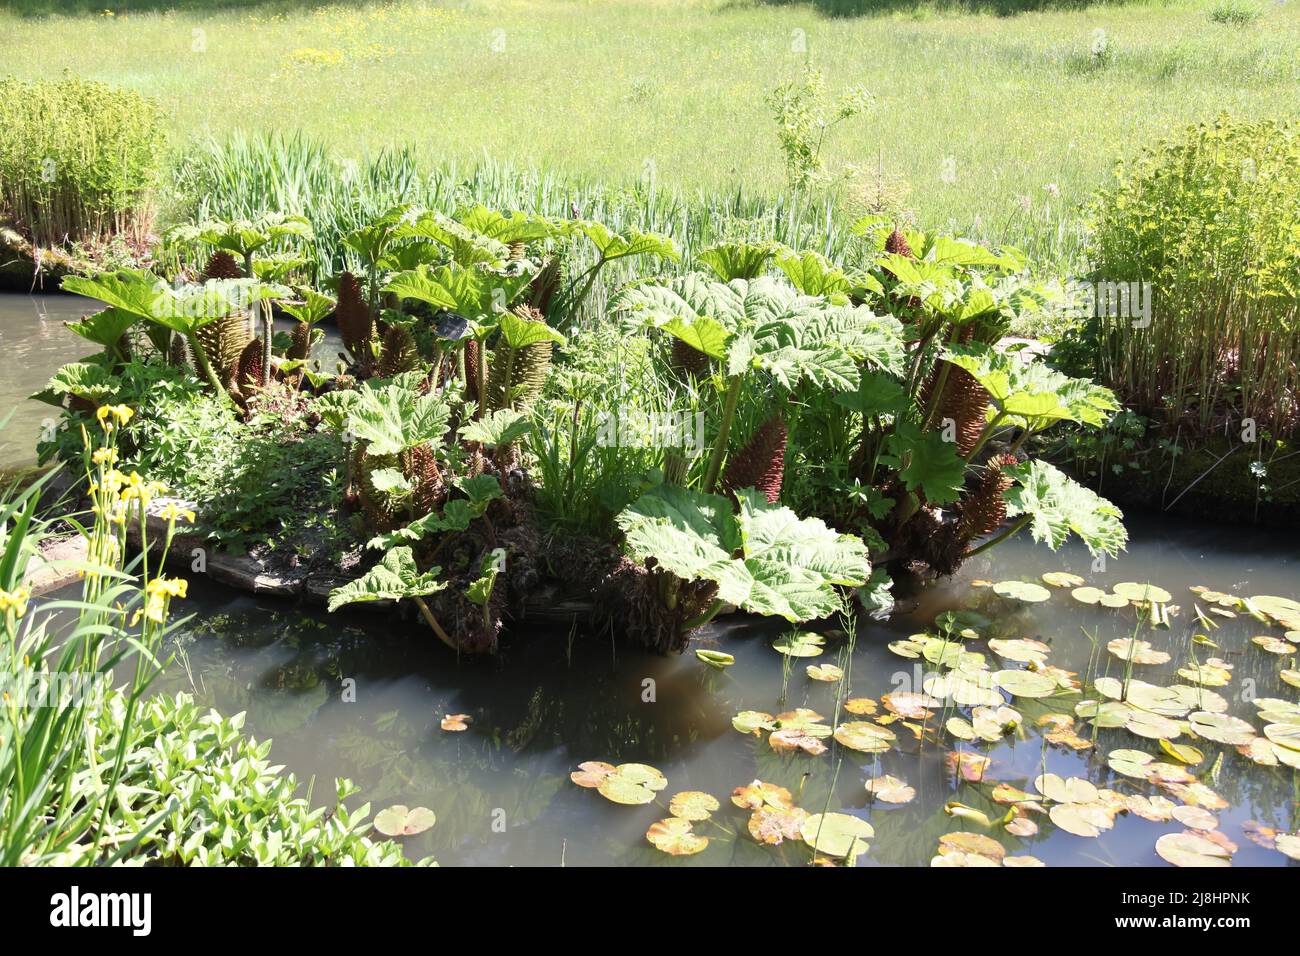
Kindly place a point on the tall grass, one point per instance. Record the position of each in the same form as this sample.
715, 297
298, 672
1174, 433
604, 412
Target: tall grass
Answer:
78, 160
1211, 219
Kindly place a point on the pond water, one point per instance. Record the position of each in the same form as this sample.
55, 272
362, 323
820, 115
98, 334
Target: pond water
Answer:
552, 699
33, 344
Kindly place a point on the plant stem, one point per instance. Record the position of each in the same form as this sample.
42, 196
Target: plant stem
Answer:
433, 623
998, 539
724, 428
205, 367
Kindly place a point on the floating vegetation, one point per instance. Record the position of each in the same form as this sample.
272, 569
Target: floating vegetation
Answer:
399, 820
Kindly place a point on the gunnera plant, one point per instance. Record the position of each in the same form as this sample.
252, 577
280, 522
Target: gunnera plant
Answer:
227, 337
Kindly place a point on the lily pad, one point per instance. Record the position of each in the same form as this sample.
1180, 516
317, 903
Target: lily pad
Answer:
1022, 650
399, 820
455, 722
1196, 818
865, 737
1142, 593
1221, 728
591, 773
977, 843
1139, 652
675, 837
1130, 763
1184, 752
775, 825
753, 722
1062, 579
1273, 645
762, 794
889, 789
836, 834
1063, 790
828, 673
1020, 683
800, 644
1288, 844
1022, 591
864, 706
693, 805
1081, 819
1284, 735
911, 704
632, 784
1190, 850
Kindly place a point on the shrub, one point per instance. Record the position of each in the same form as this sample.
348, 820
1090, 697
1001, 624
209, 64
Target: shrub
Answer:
1211, 219
79, 160
1235, 13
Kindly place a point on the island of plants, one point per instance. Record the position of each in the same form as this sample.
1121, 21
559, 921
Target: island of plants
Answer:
780, 434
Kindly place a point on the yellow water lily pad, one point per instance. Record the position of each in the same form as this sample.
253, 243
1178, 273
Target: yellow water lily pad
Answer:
1273, 645
675, 837
1184, 752
693, 805
865, 737
800, 644
1081, 819
1022, 591
911, 704
1221, 728
1139, 652
762, 794
977, 843
1142, 593
863, 706
836, 834
828, 673
1062, 579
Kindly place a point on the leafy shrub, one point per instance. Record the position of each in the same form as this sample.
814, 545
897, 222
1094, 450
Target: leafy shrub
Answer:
79, 160
1236, 13
1210, 218
208, 796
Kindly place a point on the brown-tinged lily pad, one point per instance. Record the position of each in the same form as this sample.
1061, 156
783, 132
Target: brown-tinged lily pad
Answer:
788, 740
1023, 859
1190, 850
1156, 809
1291, 677
675, 837
911, 704
762, 794
1211, 673
399, 820
1030, 684
591, 773
970, 766
863, 706
1152, 726
966, 842
693, 805
774, 825
632, 784
889, 789
455, 722
1273, 645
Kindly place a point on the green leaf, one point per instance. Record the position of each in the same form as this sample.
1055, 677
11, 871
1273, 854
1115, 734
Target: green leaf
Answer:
395, 577
814, 274
393, 419
926, 463
1057, 505
700, 333
519, 333
85, 380
788, 567
390, 481
500, 428
611, 245
481, 490
738, 260
106, 327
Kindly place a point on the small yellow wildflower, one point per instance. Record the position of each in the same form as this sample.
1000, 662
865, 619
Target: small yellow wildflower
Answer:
105, 456
121, 414
174, 512
15, 600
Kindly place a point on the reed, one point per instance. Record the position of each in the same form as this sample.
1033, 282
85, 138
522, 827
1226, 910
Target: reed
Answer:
79, 161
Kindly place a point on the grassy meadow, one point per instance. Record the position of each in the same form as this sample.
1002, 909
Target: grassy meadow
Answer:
993, 119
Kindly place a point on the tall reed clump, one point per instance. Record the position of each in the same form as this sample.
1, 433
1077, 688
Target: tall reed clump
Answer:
1211, 219
79, 161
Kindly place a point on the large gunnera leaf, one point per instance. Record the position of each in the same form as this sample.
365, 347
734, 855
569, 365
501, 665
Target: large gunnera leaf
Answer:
393, 578
787, 566
1057, 505
394, 418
